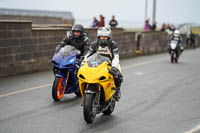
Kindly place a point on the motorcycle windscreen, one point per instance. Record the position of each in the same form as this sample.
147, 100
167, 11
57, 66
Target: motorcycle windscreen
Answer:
96, 59
173, 44
68, 50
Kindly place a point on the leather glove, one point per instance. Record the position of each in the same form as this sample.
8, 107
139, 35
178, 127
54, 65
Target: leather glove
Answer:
114, 71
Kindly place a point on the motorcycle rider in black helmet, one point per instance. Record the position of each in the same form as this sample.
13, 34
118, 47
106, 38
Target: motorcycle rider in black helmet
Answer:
107, 47
77, 38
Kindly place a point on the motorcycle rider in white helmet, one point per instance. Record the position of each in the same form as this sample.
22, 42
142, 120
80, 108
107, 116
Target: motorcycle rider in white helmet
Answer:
176, 37
107, 47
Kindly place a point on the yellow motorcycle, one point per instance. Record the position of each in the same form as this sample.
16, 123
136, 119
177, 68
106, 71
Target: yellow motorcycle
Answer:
97, 87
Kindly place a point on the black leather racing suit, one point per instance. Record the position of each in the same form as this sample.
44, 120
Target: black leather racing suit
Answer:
81, 43
179, 42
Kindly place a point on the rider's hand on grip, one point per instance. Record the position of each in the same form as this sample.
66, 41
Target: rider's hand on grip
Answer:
116, 73
82, 60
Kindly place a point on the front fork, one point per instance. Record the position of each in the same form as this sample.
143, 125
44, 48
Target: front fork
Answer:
96, 92
65, 76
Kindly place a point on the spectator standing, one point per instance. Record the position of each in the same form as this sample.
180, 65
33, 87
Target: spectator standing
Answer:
168, 26
168, 30
95, 22
154, 26
193, 39
147, 26
102, 22
113, 23
173, 28
163, 27
190, 39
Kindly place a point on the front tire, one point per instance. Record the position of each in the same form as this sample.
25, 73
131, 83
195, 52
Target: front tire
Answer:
176, 60
88, 108
78, 93
110, 108
172, 58
177, 56
58, 89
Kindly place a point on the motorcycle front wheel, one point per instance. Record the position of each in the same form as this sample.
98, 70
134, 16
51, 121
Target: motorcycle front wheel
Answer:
89, 109
172, 57
78, 94
58, 89
110, 108
176, 60
177, 56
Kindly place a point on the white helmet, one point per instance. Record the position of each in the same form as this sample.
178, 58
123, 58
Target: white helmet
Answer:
177, 33
104, 31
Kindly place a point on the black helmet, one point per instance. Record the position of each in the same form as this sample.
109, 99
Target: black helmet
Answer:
77, 27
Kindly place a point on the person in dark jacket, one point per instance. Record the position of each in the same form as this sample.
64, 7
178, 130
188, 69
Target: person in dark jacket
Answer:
190, 39
176, 38
113, 23
77, 38
153, 28
163, 29
95, 22
105, 46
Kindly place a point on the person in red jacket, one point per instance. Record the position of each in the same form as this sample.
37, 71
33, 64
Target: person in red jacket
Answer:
102, 22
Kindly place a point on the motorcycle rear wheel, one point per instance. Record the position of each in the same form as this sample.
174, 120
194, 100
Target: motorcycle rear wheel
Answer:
88, 106
58, 89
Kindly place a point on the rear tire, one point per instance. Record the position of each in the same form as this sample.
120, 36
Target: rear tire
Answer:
58, 89
88, 106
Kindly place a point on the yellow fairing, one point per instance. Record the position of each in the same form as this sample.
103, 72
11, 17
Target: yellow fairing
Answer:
96, 75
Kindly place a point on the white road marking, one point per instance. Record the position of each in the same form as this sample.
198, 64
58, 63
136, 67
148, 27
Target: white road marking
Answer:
197, 128
25, 90
139, 73
47, 85
141, 64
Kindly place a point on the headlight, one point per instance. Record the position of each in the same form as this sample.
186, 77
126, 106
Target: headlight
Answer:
71, 60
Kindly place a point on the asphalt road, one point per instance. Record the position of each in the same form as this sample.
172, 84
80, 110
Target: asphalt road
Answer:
157, 97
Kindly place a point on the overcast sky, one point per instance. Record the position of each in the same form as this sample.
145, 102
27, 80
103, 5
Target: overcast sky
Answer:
126, 11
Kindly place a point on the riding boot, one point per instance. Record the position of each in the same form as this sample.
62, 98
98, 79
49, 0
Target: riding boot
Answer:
118, 94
